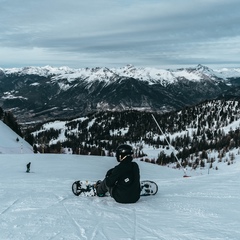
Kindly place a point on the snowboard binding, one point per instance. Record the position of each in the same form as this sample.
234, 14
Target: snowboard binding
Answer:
83, 188
148, 188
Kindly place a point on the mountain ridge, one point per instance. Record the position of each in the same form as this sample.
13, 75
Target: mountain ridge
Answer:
104, 73
43, 93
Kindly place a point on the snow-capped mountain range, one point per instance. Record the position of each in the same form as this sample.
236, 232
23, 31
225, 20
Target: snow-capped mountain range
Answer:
152, 75
42, 93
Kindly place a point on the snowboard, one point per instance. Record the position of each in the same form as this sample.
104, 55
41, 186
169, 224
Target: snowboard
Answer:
86, 188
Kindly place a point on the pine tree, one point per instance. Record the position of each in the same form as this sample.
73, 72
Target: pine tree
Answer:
1, 113
10, 120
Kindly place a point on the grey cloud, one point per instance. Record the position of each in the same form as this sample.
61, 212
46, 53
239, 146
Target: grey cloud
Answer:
143, 32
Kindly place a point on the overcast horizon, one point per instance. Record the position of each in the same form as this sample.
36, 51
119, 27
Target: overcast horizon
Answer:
104, 33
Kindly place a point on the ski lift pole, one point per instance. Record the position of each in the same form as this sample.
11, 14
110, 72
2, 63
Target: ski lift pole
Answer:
184, 170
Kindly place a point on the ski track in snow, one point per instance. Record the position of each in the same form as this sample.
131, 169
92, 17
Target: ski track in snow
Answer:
41, 206
8, 207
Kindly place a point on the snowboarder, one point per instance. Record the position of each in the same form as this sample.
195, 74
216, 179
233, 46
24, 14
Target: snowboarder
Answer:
122, 181
28, 167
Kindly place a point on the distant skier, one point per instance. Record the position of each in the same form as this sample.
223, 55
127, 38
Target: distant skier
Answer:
28, 167
122, 181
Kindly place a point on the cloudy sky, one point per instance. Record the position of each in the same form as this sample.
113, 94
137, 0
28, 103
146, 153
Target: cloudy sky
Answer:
114, 33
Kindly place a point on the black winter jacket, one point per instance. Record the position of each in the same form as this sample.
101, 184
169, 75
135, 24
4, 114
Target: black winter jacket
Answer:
124, 179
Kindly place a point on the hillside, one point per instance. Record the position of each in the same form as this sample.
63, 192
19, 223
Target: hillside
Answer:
41, 206
200, 134
10, 142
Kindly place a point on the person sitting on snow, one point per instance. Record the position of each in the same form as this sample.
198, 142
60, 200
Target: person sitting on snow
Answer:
122, 181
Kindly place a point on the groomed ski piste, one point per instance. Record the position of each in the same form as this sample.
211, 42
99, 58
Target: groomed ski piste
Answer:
41, 205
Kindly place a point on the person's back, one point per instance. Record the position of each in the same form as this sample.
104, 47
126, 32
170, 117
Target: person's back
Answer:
127, 187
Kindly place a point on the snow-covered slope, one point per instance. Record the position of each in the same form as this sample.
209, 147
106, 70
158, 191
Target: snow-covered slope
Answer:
41, 206
10, 142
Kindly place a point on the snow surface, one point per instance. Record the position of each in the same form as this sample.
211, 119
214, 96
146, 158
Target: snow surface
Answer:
40, 205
